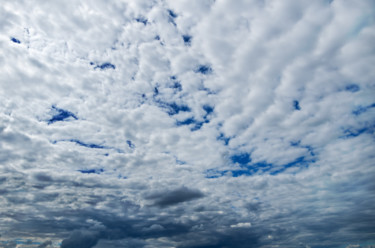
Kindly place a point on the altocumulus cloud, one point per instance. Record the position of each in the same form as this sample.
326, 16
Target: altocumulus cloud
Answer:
192, 123
177, 196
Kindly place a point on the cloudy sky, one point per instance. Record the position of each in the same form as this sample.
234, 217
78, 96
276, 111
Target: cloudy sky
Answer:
189, 123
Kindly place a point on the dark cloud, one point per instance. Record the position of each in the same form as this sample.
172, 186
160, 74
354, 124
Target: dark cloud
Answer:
42, 177
253, 206
45, 244
129, 242
169, 198
2, 180
45, 197
80, 239
10, 244
238, 238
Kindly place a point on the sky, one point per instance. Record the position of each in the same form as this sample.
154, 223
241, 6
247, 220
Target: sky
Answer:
187, 124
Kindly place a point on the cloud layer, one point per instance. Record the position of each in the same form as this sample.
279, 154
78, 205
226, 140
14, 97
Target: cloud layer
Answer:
187, 123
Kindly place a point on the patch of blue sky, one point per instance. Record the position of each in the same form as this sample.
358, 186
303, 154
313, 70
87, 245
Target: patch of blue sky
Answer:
237, 173
352, 87
195, 125
92, 171
141, 20
299, 162
180, 162
204, 69
15, 40
130, 144
362, 109
223, 138
176, 86
209, 109
186, 122
61, 115
208, 90
105, 66
253, 168
121, 177
242, 159
156, 91
354, 132
88, 145
214, 173
187, 39
173, 108
172, 14
247, 168
295, 143
310, 149
296, 105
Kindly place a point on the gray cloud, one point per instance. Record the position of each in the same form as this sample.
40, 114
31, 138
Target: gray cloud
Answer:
80, 239
173, 197
45, 244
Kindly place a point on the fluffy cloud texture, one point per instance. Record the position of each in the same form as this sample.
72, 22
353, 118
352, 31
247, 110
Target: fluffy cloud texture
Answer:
190, 123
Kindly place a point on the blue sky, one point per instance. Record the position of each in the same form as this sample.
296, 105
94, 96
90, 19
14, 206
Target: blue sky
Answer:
189, 123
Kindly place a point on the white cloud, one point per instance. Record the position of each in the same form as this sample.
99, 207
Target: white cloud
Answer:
241, 225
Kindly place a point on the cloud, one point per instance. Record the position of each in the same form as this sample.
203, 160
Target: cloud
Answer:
195, 123
80, 239
241, 225
45, 244
169, 198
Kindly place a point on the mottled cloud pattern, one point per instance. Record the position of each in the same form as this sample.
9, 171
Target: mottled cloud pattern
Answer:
190, 123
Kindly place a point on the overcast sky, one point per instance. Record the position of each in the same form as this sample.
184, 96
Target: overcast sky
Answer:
187, 123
